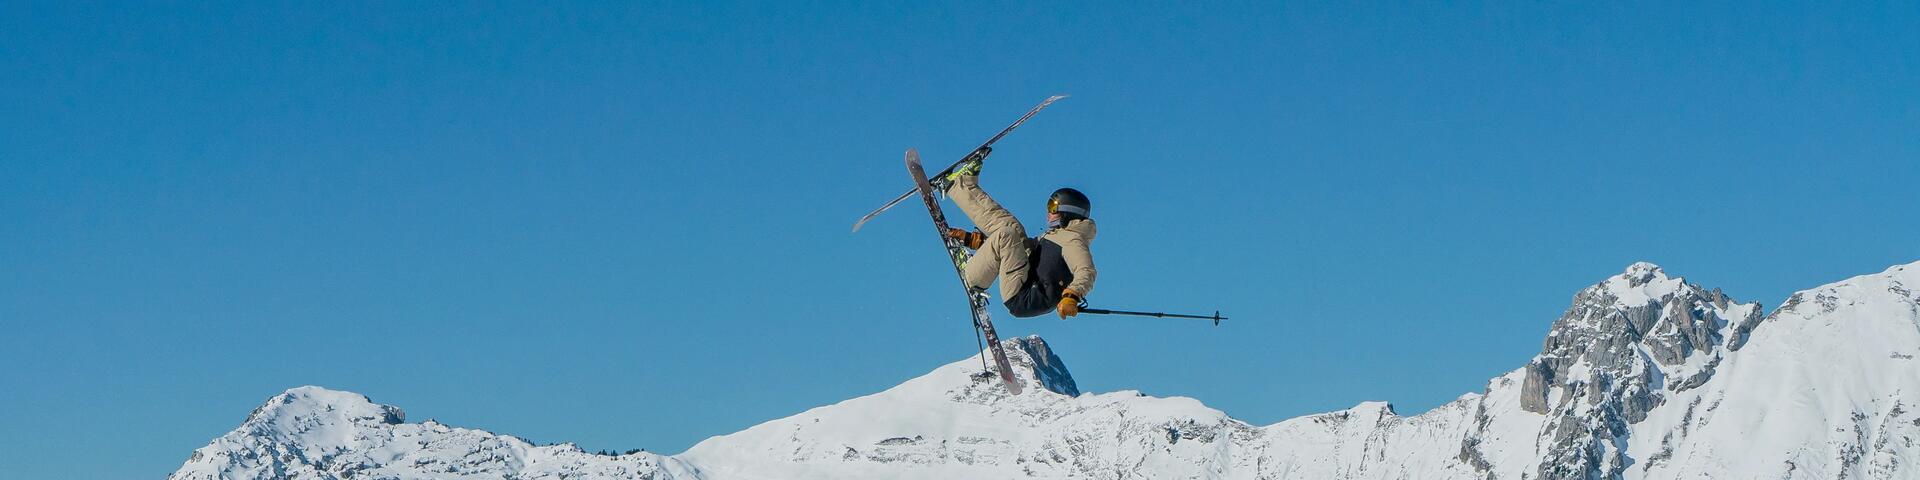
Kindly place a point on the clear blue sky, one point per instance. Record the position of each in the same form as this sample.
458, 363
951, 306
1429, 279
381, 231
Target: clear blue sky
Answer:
626, 226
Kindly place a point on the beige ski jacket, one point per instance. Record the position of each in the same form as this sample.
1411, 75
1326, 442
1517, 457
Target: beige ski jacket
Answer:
1074, 239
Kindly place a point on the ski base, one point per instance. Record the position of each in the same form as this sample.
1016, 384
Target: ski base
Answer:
976, 300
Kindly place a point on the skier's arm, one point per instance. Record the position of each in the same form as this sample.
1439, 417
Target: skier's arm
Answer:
1080, 262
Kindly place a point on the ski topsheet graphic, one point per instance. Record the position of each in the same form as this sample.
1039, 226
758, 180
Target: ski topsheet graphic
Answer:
976, 299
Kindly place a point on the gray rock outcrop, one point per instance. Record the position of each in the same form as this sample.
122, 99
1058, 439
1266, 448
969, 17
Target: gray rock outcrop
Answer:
1624, 344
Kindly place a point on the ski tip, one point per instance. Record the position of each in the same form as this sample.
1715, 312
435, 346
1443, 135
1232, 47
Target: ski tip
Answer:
913, 156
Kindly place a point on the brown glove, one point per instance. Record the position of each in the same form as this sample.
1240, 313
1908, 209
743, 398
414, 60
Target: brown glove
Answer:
972, 239
1069, 304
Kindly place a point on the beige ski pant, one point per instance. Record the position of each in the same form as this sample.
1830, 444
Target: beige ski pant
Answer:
1005, 252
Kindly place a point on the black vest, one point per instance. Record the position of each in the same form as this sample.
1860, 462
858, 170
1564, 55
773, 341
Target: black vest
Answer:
1047, 278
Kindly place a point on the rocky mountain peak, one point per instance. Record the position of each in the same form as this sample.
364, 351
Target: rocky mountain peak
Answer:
1624, 345
1047, 370
1640, 284
1640, 273
1642, 309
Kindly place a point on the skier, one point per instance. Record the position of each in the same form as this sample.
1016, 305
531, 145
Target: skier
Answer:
1053, 271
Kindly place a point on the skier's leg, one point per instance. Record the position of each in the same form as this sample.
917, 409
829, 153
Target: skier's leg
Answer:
986, 214
983, 267
1004, 257
1006, 241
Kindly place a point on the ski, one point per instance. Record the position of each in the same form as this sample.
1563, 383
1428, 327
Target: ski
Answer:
976, 300
980, 152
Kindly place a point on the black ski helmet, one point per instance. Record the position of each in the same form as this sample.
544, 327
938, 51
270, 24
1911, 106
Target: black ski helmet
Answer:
1070, 204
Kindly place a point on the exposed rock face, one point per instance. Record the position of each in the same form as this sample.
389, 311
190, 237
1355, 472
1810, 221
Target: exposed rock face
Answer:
1615, 355
1645, 376
1048, 369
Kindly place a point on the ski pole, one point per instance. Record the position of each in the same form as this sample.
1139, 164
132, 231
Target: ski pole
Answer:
1101, 311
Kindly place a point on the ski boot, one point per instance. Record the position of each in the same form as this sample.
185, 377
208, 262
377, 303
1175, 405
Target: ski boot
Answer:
968, 166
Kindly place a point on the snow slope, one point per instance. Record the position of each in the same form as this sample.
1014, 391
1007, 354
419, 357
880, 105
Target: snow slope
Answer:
1826, 387
1645, 376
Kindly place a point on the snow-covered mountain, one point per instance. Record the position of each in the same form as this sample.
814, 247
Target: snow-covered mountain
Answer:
1645, 376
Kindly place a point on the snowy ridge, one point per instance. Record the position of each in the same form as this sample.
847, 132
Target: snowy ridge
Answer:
315, 433
1645, 376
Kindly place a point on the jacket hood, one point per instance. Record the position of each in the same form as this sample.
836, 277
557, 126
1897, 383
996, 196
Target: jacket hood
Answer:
1082, 227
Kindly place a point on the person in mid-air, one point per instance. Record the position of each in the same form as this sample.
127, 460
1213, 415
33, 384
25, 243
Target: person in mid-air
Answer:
1053, 271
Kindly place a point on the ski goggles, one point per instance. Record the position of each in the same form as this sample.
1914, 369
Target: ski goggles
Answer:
1054, 206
